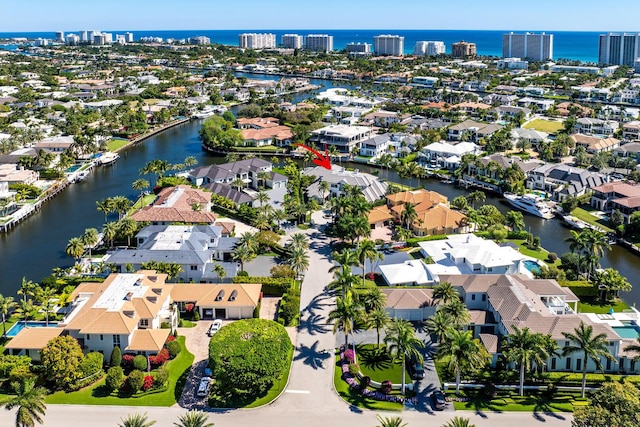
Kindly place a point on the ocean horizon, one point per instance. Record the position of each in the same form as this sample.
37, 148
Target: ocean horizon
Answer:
573, 45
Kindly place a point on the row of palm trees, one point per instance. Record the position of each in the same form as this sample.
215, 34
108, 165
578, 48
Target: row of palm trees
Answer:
296, 257
590, 244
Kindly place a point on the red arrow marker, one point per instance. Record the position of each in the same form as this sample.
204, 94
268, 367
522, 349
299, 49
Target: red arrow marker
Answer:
321, 160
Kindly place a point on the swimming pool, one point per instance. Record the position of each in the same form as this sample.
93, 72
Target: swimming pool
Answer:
15, 329
74, 168
532, 266
629, 331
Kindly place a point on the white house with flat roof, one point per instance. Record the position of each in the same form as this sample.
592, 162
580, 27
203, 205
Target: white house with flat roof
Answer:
344, 138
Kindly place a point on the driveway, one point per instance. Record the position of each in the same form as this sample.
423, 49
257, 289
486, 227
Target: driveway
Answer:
197, 342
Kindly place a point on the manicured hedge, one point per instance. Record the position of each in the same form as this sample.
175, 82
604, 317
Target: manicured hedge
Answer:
413, 242
575, 379
271, 286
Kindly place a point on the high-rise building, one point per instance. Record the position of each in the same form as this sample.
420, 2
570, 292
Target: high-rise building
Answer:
199, 40
99, 39
356, 49
429, 48
318, 42
59, 36
72, 39
257, 41
292, 41
41, 42
463, 49
128, 37
619, 49
84, 36
387, 44
535, 47
120, 39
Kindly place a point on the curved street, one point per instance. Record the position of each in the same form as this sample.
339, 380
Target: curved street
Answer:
309, 399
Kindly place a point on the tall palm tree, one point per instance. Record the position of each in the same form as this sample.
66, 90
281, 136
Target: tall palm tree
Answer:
75, 248
439, 324
403, 343
44, 297
324, 188
238, 184
457, 312
378, 319
110, 231
476, 197
128, 228
458, 422
346, 258
408, 215
444, 293
366, 250
140, 185
462, 353
190, 161
298, 240
7, 304
525, 348
344, 316
279, 215
390, 422
89, 239
631, 347
193, 418
298, 260
577, 243
249, 240
136, 420
592, 348
595, 244
242, 254
220, 271
27, 288
515, 220
344, 281
373, 299
263, 198
30, 403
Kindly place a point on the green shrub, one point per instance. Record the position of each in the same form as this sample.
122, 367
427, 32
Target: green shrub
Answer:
165, 325
173, 347
289, 309
256, 311
20, 373
135, 380
196, 315
518, 235
115, 376
9, 362
413, 242
140, 362
271, 286
116, 356
91, 364
242, 274
162, 375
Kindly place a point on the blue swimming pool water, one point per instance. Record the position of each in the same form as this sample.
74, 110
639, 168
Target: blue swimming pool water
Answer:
15, 329
74, 168
629, 331
532, 266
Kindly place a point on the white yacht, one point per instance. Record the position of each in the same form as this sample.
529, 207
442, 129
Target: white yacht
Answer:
531, 204
209, 111
108, 158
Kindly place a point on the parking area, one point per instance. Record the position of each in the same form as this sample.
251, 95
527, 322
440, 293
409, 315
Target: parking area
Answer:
197, 342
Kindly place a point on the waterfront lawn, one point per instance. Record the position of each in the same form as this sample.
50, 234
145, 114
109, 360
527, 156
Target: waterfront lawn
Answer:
98, 395
599, 307
511, 402
544, 126
584, 215
142, 202
541, 254
115, 144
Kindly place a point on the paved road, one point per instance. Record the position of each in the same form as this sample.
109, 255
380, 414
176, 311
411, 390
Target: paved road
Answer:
309, 399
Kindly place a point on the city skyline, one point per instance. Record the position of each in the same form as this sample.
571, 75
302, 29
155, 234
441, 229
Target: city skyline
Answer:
145, 15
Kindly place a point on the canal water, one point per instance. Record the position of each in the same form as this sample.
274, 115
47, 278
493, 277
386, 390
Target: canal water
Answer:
37, 245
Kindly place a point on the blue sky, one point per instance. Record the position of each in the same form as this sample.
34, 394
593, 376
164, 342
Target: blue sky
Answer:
517, 15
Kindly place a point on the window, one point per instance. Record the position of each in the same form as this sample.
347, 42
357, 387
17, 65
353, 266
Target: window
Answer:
608, 364
568, 365
116, 340
194, 267
566, 343
553, 363
144, 322
88, 337
484, 297
101, 337
473, 297
578, 364
633, 365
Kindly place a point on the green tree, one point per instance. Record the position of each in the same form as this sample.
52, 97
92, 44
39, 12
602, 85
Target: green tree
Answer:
29, 401
525, 348
61, 359
345, 315
373, 299
390, 421
114, 378
343, 281
7, 304
110, 231
462, 353
408, 215
298, 240
366, 250
89, 239
116, 356
613, 405
444, 293
242, 254
128, 227
75, 248
610, 282
577, 243
439, 324
44, 297
136, 420
593, 347
515, 220
193, 418
140, 185
458, 422
403, 343
298, 261
220, 271
476, 197
457, 312
378, 319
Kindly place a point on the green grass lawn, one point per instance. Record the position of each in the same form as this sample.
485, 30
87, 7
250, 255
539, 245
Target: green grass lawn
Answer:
115, 144
277, 387
376, 364
356, 399
595, 306
98, 395
541, 254
584, 215
142, 202
536, 403
544, 126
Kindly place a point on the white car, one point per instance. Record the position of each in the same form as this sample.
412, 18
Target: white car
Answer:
215, 327
203, 388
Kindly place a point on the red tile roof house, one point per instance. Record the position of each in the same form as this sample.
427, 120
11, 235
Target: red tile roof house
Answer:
178, 204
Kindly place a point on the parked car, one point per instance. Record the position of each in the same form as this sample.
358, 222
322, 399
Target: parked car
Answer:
203, 387
208, 372
215, 327
439, 401
416, 369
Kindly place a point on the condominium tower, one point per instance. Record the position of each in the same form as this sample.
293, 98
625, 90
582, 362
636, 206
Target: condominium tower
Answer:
535, 47
292, 41
463, 49
257, 41
356, 49
386, 44
319, 42
429, 48
619, 49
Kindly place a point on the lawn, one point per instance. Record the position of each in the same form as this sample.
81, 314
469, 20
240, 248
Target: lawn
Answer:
541, 254
536, 403
584, 215
544, 126
115, 144
356, 399
376, 364
142, 202
595, 306
98, 395
277, 387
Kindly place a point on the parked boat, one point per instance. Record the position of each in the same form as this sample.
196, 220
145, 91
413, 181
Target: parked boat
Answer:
108, 158
574, 222
531, 204
209, 111
81, 176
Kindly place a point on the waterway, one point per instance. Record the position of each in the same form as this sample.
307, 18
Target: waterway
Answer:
37, 245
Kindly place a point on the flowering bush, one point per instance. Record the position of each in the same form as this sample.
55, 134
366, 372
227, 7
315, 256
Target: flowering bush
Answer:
354, 369
127, 360
189, 307
170, 338
349, 355
160, 358
148, 383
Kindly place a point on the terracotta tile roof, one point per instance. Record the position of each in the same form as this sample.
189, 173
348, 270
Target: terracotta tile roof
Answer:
280, 133
33, 338
379, 214
472, 282
416, 197
439, 217
259, 122
175, 204
227, 227
409, 298
150, 340
619, 187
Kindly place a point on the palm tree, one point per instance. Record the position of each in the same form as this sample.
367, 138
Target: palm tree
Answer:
140, 185
279, 215
444, 293
30, 403
526, 349
75, 248
439, 324
476, 197
121, 205
105, 206
344, 281
89, 239
408, 215
345, 315
193, 418
577, 243
27, 288
136, 420
7, 304
457, 312
238, 184
595, 244
458, 422
298, 260
190, 161
263, 198
128, 228
325, 188
378, 319
346, 258
249, 240
242, 254
366, 250
631, 347
592, 348
402, 342
373, 299
109, 231
390, 422
298, 241
462, 353
515, 220
220, 271
44, 297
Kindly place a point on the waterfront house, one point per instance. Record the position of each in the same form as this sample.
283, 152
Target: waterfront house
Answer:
629, 150
631, 131
561, 181
344, 138
589, 126
218, 301
181, 204
593, 144
446, 155
618, 196
410, 304
372, 188
11, 173
470, 130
